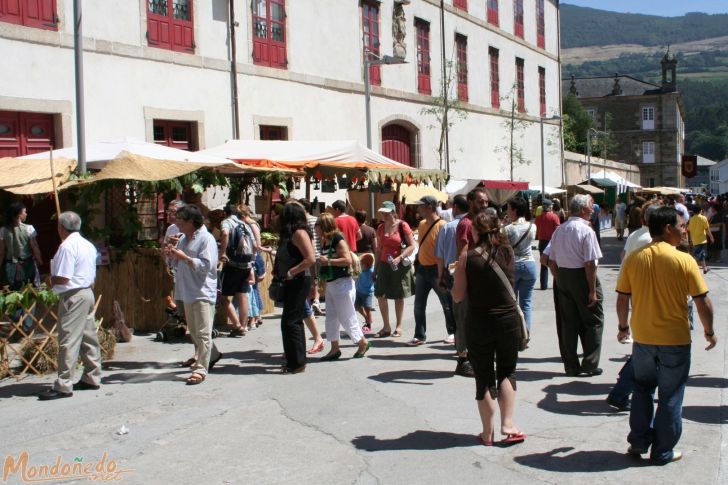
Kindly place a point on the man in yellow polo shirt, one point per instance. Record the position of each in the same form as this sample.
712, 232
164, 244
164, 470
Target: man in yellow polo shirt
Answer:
699, 232
658, 279
426, 271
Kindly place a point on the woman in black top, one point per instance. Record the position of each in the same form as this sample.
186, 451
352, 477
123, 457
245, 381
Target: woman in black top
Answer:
294, 258
493, 325
335, 260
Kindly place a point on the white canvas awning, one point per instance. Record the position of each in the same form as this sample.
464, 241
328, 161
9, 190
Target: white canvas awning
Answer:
323, 159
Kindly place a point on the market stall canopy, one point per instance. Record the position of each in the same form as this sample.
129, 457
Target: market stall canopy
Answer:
623, 185
411, 192
139, 160
321, 159
552, 190
28, 177
500, 191
586, 189
664, 190
600, 182
460, 186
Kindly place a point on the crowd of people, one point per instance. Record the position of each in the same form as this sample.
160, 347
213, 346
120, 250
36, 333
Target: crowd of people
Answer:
477, 259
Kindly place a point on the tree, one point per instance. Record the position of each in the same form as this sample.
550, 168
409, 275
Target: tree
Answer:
446, 110
577, 123
514, 126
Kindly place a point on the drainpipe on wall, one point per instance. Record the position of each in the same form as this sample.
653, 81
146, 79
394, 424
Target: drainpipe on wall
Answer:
445, 100
234, 71
561, 123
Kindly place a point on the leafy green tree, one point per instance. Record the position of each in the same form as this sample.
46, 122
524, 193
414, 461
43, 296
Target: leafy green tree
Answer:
577, 123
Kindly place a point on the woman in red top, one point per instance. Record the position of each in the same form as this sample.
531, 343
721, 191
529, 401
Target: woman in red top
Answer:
392, 284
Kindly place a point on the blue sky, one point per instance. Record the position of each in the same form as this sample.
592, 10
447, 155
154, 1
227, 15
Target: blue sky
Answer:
669, 8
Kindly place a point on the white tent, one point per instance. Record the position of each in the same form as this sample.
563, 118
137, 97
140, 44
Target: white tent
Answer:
622, 183
140, 160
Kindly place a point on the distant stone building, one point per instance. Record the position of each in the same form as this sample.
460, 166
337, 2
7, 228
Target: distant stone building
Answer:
646, 120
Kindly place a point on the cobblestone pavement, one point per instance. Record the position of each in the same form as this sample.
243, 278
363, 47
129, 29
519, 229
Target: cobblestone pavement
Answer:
397, 416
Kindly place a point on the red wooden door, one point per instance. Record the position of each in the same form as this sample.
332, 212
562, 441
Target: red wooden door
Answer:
25, 133
396, 144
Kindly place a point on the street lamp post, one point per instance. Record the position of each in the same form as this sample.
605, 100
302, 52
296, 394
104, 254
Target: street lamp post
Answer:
589, 149
543, 156
368, 62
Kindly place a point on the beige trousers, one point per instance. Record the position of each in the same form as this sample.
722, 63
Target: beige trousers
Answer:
77, 334
200, 315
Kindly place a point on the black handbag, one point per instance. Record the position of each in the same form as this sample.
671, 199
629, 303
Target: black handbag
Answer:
276, 291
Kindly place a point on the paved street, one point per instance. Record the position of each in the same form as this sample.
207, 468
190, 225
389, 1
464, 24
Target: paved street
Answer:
397, 416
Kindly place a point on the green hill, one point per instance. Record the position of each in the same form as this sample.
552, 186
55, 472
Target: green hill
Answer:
584, 27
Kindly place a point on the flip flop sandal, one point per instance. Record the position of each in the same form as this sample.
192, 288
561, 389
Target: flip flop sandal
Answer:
382, 334
195, 379
359, 355
519, 437
397, 333
485, 442
189, 362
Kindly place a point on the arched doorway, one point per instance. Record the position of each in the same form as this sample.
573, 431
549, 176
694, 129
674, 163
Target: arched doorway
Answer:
399, 143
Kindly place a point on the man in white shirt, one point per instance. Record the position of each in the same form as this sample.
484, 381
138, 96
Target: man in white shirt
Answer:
574, 256
620, 219
73, 272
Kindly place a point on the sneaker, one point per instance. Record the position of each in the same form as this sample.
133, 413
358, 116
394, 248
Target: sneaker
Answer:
450, 339
464, 368
676, 455
415, 342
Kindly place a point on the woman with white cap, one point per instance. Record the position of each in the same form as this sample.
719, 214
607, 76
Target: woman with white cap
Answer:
394, 278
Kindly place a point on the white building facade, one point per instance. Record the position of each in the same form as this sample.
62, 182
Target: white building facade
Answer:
160, 70
719, 178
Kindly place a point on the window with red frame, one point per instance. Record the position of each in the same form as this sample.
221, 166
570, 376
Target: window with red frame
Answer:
175, 134
423, 56
170, 25
542, 90
518, 18
540, 24
461, 46
493, 12
520, 86
370, 24
269, 33
494, 78
461, 4
40, 14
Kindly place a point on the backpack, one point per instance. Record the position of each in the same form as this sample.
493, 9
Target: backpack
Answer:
241, 244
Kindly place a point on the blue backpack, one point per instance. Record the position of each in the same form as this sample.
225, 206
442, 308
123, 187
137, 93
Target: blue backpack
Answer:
241, 244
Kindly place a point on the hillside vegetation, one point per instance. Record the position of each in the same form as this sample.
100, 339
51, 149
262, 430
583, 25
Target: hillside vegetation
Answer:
702, 66
583, 27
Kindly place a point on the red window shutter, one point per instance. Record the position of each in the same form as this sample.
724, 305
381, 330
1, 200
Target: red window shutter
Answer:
269, 33
520, 86
158, 31
518, 18
40, 14
461, 43
494, 78
183, 36
11, 12
542, 90
461, 4
540, 24
493, 12
370, 24
423, 57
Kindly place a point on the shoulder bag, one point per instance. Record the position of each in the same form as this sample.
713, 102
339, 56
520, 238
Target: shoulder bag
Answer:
421, 241
406, 260
525, 337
